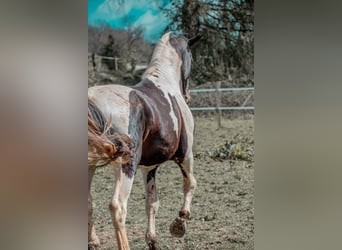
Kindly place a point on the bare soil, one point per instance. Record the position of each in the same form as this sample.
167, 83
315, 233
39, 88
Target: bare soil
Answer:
222, 208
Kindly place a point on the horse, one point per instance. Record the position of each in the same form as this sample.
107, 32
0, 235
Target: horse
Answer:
156, 123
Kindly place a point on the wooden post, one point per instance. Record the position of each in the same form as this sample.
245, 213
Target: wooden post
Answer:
218, 103
116, 63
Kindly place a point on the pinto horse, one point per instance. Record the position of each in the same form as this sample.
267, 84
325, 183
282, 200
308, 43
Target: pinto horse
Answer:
154, 115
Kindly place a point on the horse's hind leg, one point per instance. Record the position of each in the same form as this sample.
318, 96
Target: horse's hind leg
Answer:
118, 205
178, 227
151, 206
93, 240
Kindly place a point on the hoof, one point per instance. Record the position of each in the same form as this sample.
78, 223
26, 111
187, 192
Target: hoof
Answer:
178, 227
93, 245
153, 246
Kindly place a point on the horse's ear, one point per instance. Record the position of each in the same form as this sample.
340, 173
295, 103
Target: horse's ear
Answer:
193, 40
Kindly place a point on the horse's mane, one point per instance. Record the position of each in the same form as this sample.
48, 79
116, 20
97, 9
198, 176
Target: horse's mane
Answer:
103, 144
170, 64
161, 54
155, 63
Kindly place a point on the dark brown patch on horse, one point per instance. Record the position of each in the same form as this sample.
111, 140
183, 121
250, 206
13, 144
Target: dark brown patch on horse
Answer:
184, 214
96, 115
180, 44
151, 174
160, 141
183, 171
135, 130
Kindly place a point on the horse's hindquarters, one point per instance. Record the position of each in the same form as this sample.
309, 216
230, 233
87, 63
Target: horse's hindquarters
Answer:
113, 101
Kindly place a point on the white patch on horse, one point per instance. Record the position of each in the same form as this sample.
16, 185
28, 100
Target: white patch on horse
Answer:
172, 112
174, 119
108, 96
188, 122
164, 72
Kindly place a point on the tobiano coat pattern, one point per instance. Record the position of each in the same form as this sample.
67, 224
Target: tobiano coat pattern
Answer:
155, 116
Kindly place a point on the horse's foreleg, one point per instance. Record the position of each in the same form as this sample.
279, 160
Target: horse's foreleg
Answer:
93, 240
151, 206
178, 227
189, 185
118, 205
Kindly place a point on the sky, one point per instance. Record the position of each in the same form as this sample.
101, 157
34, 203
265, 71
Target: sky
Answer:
135, 13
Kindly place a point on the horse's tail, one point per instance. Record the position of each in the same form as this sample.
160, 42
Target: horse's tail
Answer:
104, 145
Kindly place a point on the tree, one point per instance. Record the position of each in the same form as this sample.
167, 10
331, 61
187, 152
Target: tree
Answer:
128, 46
109, 50
226, 50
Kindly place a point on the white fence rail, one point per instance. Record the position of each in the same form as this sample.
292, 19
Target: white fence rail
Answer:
218, 90
218, 107
221, 90
222, 108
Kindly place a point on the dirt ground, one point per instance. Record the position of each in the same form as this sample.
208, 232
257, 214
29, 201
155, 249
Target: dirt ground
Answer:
222, 207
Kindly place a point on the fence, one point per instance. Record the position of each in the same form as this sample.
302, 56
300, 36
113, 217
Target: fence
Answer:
218, 107
96, 64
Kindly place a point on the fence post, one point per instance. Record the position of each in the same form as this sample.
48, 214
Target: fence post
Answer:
218, 103
116, 63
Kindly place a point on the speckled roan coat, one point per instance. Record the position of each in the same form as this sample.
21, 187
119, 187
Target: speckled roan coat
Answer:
155, 116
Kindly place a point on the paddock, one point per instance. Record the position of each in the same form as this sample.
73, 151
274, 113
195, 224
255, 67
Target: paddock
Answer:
222, 211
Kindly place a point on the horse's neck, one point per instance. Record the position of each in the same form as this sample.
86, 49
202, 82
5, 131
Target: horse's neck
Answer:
164, 75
